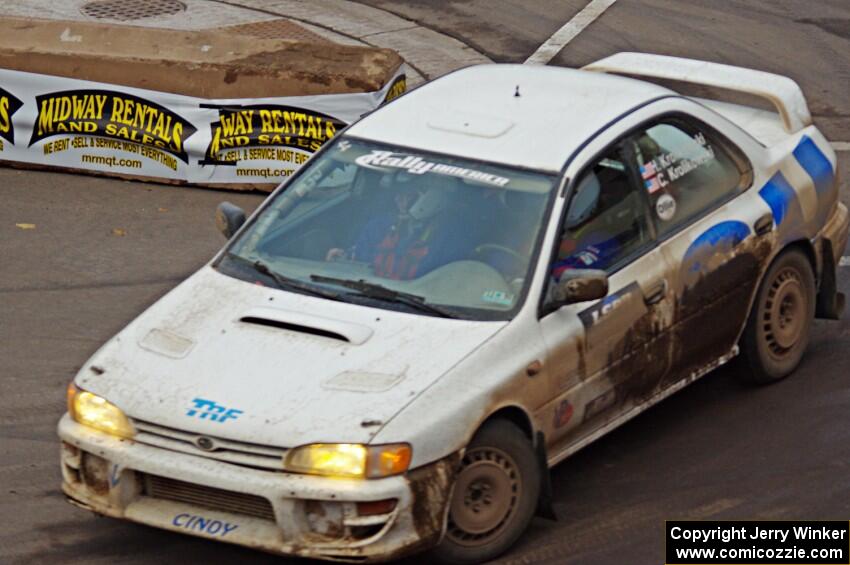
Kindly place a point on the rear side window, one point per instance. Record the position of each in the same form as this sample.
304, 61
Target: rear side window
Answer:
685, 171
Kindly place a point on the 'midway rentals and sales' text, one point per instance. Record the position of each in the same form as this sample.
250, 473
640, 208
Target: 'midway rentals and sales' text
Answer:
83, 125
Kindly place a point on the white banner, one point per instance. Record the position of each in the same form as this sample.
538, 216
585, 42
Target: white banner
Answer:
77, 124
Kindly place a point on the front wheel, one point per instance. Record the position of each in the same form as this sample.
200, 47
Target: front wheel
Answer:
777, 331
495, 495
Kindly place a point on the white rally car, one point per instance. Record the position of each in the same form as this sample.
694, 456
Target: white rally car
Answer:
458, 292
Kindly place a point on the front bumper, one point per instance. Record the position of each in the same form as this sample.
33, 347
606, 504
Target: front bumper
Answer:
279, 512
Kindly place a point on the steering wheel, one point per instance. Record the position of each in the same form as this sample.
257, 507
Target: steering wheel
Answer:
496, 247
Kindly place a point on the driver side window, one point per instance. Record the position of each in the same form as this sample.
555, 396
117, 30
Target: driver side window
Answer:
606, 221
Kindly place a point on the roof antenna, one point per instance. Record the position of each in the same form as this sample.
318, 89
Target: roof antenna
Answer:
516, 92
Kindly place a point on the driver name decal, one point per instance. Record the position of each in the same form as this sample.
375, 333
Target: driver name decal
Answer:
669, 167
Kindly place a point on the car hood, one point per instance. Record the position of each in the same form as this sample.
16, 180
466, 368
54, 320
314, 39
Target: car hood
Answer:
223, 357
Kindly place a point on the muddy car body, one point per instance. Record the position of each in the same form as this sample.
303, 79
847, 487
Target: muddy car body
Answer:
304, 395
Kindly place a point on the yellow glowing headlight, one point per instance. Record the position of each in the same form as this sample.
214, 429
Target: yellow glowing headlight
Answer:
349, 460
98, 413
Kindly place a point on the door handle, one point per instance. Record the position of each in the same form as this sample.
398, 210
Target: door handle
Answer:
655, 293
764, 225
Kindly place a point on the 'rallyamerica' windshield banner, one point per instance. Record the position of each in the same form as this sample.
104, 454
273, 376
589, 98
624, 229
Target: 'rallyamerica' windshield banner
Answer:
83, 125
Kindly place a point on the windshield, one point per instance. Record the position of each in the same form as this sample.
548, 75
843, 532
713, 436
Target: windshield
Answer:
442, 231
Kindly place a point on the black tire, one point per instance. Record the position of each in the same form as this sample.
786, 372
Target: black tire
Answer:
780, 321
495, 495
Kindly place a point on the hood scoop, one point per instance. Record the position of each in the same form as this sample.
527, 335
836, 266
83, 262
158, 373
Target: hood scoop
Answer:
293, 328
309, 324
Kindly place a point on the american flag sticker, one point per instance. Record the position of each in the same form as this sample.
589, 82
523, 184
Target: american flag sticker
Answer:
652, 185
648, 170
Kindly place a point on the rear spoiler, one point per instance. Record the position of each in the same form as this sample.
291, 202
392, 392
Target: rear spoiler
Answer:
781, 91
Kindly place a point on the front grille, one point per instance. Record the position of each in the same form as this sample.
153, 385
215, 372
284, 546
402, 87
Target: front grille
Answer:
237, 452
208, 497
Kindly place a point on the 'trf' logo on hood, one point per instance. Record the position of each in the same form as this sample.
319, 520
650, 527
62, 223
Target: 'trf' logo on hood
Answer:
209, 409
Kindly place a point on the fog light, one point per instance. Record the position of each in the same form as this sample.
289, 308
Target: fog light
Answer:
95, 473
325, 518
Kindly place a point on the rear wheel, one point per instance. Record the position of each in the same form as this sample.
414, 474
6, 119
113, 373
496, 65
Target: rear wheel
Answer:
777, 332
495, 495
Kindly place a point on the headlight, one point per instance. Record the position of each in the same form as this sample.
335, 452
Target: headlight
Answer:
349, 459
98, 413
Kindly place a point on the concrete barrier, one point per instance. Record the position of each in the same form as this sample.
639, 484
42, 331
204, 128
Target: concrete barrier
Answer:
191, 107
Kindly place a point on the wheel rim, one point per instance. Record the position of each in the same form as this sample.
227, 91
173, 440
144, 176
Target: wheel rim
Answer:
785, 312
486, 495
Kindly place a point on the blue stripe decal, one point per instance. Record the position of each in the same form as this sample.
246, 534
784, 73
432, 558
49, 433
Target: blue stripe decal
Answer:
719, 239
779, 195
815, 163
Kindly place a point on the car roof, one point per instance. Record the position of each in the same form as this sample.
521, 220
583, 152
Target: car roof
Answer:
475, 112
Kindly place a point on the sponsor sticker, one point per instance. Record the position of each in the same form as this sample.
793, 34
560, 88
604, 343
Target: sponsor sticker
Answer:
600, 404
498, 297
415, 165
665, 207
601, 308
209, 409
563, 413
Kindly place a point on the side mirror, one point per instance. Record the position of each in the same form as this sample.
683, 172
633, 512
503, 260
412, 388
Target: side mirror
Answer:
580, 285
229, 218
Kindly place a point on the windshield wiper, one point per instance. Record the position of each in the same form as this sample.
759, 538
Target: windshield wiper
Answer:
378, 292
286, 283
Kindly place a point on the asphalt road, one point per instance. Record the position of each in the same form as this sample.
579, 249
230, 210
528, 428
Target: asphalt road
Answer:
102, 250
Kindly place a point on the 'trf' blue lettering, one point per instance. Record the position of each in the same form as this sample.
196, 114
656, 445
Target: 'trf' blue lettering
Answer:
209, 409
